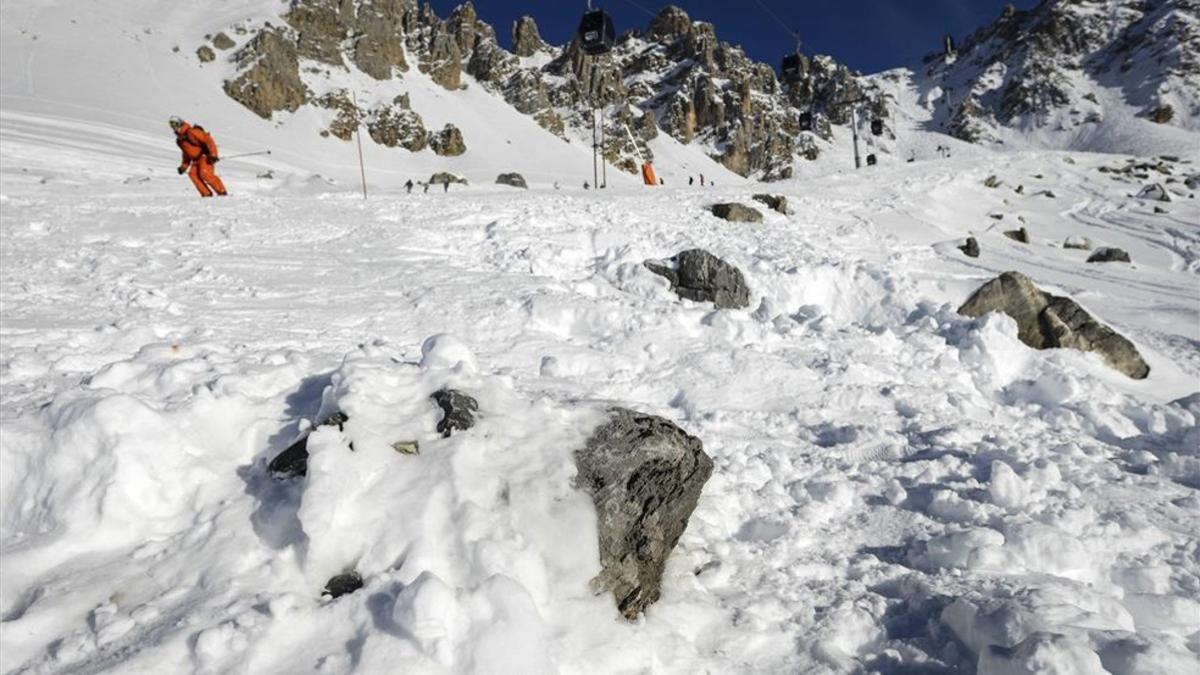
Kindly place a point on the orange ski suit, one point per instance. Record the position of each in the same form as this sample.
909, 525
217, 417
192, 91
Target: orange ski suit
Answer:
199, 153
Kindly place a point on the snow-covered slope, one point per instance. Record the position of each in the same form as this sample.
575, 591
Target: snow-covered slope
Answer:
897, 488
112, 75
1092, 75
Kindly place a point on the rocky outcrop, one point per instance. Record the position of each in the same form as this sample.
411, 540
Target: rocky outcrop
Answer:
677, 76
1108, 254
205, 54
448, 142
644, 475
698, 275
1046, 321
345, 121
512, 179
223, 42
397, 127
970, 248
269, 75
458, 411
736, 213
526, 39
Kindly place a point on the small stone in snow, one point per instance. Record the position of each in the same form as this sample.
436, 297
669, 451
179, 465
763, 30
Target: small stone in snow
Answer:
343, 584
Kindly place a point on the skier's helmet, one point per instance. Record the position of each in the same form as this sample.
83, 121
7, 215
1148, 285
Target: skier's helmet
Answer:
175, 121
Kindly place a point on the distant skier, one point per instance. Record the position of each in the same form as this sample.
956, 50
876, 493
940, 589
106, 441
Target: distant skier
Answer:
409, 186
446, 185
691, 180
701, 180
586, 186
660, 182
199, 155
426, 187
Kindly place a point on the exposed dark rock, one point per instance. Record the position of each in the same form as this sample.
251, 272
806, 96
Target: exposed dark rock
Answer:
269, 78
294, 460
513, 179
774, 202
458, 411
448, 142
222, 41
991, 182
644, 475
1108, 254
1021, 235
737, 213
698, 275
343, 584
971, 248
205, 54
1160, 210
1046, 321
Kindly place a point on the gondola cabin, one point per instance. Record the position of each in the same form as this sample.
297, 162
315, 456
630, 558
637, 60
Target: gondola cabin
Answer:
876, 127
596, 33
793, 67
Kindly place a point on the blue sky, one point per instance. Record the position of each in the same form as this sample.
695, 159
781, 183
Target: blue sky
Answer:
870, 35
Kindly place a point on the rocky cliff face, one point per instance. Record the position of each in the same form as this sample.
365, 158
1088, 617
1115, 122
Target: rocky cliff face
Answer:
1053, 65
674, 76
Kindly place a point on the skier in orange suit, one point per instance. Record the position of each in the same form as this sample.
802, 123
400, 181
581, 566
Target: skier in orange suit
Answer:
199, 156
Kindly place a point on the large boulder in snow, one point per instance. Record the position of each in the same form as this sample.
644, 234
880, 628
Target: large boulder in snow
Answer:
737, 213
1046, 321
445, 177
774, 202
269, 75
1020, 234
1108, 254
644, 475
970, 248
696, 274
512, 179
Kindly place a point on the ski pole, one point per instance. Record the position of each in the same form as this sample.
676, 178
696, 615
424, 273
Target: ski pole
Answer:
247, 154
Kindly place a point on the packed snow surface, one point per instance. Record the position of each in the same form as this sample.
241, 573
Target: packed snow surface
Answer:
897, 488
895, 485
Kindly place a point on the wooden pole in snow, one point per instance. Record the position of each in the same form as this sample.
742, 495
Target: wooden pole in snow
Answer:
362, 171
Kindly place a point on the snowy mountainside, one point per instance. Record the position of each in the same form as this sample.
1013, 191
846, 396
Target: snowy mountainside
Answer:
1093, 75
141, 80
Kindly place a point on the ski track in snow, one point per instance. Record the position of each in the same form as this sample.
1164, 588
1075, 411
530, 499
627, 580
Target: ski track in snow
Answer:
895, 486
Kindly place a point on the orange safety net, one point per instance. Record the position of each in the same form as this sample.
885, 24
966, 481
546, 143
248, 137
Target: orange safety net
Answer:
648, 176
